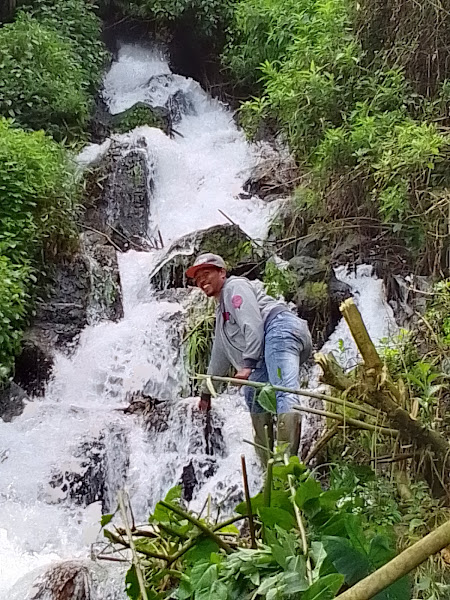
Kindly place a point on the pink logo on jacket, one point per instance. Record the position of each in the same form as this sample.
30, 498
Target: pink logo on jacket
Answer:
236, 301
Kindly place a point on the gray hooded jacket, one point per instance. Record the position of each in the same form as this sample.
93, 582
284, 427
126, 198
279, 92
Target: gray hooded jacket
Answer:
241, 313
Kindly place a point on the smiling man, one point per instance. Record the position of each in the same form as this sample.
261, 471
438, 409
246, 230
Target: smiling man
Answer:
261, 338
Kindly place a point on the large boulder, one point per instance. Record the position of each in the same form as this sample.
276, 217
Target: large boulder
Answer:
227, 240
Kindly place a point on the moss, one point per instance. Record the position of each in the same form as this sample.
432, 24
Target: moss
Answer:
137, 116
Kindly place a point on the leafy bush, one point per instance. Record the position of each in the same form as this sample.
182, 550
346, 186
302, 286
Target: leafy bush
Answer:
37, 204
14, 299
208, 16
76, 22
138, 115
41, 81
339, 546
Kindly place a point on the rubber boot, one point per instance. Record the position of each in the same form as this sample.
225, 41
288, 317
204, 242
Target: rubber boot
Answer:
259, 422
288, 431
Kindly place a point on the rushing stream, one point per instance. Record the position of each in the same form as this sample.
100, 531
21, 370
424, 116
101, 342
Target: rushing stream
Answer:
64, 459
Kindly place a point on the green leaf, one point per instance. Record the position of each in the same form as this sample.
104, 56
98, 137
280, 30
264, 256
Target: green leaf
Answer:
279, 499
201, 552
271, 516
307, 490
346, 559
325, 588
267, 399
106, 519
174, 494
132, 584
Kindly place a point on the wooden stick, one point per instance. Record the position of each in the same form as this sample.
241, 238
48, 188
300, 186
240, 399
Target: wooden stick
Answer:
321, 443
248, 501
399, 566
268, 482
279, 388
359, 333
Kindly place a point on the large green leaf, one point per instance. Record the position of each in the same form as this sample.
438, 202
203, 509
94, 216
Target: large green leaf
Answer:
307, 490
271, 516
132, 584
325, 588
201, 551
267, 399
349, 561
279, 499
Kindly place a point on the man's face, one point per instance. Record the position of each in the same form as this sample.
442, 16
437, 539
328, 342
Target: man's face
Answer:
210, 280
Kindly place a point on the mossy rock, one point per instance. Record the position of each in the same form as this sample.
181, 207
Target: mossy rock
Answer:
141, 114
229, 241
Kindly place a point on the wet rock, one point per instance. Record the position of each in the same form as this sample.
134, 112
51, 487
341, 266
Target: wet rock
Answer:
275, 174
179, 104
227, 240
12, 401
142, 114
85, 290
34, 365
69, 580
119, 196
309, 269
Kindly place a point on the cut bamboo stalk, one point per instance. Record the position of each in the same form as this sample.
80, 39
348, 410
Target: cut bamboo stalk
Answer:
248, 501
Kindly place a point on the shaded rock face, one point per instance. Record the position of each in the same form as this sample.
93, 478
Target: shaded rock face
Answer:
12, 402
227, 240
68, 580
34, 364
120, 197
88, 482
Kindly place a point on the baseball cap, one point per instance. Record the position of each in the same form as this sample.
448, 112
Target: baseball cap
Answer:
206, 260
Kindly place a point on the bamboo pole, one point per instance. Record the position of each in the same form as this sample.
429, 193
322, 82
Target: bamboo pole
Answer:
279, 388
399, 566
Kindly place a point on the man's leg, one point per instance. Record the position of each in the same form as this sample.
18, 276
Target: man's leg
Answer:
287, 346
260, 418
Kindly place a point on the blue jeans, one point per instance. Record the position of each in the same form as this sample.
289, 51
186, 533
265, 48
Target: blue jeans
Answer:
287, 344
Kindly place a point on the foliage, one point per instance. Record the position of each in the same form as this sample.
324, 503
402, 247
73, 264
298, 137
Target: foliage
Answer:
41, 82
75, 21
137, 116
207, 16
342, 546
37, 200
199, 336
279, 281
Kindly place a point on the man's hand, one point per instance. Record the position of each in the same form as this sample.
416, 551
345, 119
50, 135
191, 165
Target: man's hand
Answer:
205, 403
243, 373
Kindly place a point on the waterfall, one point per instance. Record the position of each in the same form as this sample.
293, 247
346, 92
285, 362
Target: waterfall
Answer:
64, 459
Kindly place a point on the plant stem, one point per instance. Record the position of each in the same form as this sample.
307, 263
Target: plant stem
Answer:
248, 501
268, 482
349, 420
204, 528
137, 566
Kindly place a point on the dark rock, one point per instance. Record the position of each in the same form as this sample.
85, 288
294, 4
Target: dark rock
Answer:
68, 580
178, 105
188, 482
309, 269
12, 401
227, 240
34, 365
119, 201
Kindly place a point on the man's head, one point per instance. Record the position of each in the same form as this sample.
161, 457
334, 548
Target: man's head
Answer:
209, 273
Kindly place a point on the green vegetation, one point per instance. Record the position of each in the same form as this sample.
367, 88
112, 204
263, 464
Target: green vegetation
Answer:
51, 59
190, 557
37, 200
207, 17
138, 115
350, 107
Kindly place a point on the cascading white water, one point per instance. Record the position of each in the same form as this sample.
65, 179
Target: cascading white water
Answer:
64, 459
